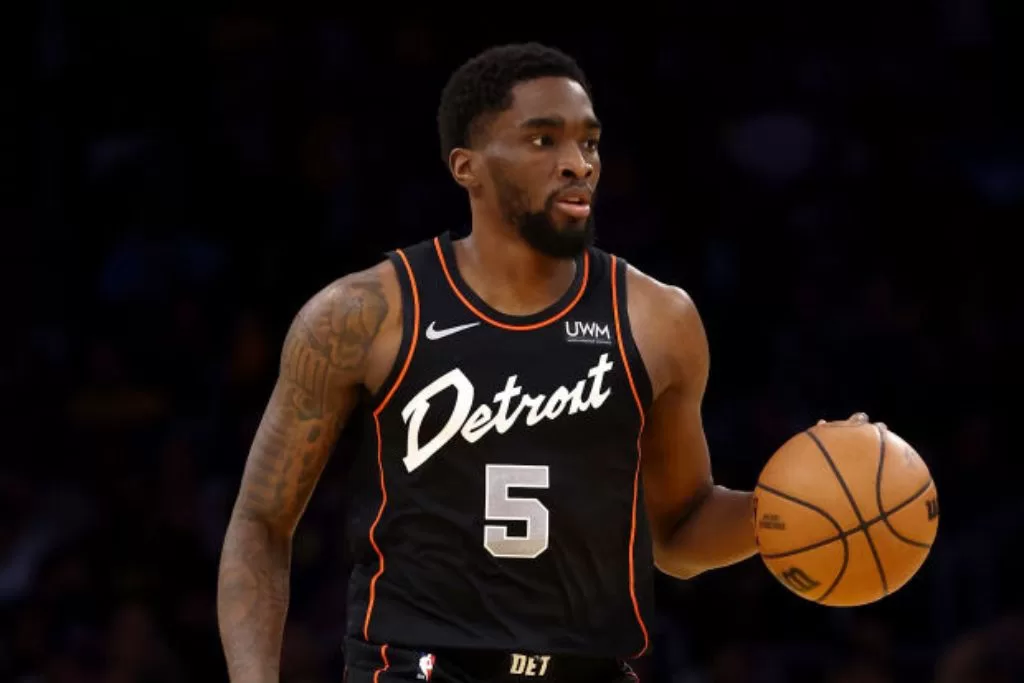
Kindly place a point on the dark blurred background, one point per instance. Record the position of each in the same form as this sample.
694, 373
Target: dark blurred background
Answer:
829, 183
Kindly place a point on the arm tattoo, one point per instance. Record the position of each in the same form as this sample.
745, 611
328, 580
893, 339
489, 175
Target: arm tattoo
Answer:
322, 364
325, 348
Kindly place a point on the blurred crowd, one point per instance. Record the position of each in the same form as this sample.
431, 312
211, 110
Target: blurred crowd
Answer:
829, 187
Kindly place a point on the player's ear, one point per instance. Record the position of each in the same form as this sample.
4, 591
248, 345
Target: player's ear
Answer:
463, 163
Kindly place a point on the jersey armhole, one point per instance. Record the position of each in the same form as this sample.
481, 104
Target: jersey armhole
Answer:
410, 330
638, 369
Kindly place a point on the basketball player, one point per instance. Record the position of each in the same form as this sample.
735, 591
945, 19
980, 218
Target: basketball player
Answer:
533, 414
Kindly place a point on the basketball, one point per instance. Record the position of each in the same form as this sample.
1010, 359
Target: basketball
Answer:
845, 513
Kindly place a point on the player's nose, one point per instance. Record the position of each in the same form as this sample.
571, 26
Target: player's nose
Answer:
574, 164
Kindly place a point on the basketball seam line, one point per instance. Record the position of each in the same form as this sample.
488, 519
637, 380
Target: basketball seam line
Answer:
878, 493
832, 520
856, 510
842, 533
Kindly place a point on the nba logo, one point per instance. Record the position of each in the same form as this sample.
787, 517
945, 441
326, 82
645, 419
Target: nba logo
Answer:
426, 667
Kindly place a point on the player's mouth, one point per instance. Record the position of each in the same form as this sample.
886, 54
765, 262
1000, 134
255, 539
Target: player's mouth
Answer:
575, 203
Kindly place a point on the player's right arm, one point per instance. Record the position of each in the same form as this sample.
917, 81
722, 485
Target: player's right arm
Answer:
338, 342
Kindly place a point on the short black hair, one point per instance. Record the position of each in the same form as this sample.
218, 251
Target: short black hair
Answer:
483, 85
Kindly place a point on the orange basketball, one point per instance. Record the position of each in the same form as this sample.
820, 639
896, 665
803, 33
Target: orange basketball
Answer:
845, 513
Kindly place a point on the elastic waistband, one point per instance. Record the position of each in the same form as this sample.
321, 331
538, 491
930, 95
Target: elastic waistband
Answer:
498, 665
485, 665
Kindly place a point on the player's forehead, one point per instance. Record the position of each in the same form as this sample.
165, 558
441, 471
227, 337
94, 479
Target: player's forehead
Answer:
550, 97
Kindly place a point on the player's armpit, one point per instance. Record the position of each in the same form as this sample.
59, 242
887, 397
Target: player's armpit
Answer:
695, 525
325, 358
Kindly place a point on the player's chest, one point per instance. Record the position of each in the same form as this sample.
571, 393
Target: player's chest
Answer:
493, 394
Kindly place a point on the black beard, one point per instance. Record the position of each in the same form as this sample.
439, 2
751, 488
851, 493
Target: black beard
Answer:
537, 228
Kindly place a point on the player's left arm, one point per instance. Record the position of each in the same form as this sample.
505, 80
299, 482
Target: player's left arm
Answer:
695, 524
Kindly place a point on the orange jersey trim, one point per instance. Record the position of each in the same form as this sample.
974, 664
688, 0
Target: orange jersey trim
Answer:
380, 456
639, 457
385, 666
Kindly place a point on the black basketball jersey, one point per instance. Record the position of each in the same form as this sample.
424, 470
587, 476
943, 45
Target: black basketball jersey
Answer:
507, 505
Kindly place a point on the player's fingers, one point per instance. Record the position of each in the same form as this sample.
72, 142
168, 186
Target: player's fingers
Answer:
855, 420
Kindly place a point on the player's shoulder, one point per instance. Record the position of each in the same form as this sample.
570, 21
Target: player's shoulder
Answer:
363, 304
653, 297
368, 300
667, 328
357, 319
645, 290
371, 290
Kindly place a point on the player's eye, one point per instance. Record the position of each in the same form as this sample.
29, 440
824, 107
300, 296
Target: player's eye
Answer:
543, 141
592, 144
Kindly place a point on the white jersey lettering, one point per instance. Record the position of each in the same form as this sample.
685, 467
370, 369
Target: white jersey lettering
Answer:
474, 422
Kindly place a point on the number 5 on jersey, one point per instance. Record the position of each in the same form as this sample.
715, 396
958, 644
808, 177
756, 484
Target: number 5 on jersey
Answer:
499, 506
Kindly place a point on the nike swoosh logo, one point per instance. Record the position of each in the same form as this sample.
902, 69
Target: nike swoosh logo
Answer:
433, 333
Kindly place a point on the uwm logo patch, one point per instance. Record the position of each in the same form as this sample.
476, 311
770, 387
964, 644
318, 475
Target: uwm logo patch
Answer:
579, 332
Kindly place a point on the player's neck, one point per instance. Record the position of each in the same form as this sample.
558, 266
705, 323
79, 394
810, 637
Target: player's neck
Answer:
509, 274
